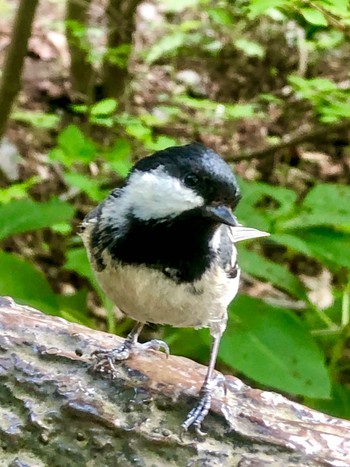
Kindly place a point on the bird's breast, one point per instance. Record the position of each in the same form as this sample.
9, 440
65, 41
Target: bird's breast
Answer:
148, 295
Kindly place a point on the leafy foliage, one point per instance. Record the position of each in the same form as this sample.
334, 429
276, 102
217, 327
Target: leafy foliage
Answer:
24, 283
274, 349
24, 215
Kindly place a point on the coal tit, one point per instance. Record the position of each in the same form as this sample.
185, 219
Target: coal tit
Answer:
162, 248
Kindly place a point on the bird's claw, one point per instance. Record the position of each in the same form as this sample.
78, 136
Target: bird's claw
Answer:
119, 353
155, 344
201, 409
198, 413
104, 360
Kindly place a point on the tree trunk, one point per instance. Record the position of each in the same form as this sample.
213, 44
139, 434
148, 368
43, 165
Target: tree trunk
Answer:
121, 25
81, 71
55, 411
12, 69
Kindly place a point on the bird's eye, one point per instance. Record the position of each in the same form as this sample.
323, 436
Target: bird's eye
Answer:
191, 180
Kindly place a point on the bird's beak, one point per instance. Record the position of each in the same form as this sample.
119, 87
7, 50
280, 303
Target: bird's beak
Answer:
221, 214
224, 215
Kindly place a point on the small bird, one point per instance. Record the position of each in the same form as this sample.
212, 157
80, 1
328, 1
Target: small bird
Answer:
162, 247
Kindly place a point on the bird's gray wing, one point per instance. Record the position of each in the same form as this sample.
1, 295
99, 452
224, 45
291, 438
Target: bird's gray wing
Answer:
97, 236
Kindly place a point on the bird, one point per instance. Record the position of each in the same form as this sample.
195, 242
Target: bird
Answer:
162, 248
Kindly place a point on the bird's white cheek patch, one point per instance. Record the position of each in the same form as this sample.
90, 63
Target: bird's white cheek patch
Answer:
156, 195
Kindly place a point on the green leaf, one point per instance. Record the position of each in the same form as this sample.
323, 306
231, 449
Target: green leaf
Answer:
257, 192
328, 245
177, 6
220, 16
25, 284
314, 16
309, 88
334, 111
293, 242
338, 405
259, 7
159, 143
88, 185
138, 130
226, 111
104, 107
44, 121
79, 108
62, 228
250, 48
71, 136
25, 215
265, 269
107, 122
262, 203
73, 146
337, 7
270, 345
322, 243
17, 190
190, 343
118, 55
167, 46
237, 111
78, 262
329, 198
325, 205
119, 157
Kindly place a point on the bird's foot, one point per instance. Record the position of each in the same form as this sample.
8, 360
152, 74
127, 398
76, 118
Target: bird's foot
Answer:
199, 412
154, 344
104, 360
201, 409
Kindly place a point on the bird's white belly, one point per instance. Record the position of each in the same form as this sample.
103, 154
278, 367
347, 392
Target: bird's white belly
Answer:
147, 295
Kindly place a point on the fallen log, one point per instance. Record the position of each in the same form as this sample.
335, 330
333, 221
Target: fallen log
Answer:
55, 411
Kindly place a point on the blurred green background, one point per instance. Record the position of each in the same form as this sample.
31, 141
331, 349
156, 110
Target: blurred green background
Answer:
265, 84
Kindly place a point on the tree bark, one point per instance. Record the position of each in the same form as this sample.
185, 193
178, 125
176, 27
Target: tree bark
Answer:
81, 71
121, 25
55, 411
12, 69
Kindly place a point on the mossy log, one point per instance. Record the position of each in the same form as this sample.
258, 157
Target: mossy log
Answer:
55, 411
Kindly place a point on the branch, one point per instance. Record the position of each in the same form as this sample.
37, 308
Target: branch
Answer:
289, 142
12, 68
54, 411
81, 70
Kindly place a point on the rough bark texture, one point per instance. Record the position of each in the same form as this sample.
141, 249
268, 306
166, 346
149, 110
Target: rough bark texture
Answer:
55, 411
12, 68
81, 71
121, 25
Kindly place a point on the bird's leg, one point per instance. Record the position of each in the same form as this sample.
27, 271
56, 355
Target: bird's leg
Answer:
108, 357
201, 409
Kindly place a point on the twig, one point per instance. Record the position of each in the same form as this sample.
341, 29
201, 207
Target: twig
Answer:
289, 141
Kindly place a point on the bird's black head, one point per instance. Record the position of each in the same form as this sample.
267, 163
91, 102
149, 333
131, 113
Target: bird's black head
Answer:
181, 179
200, 169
